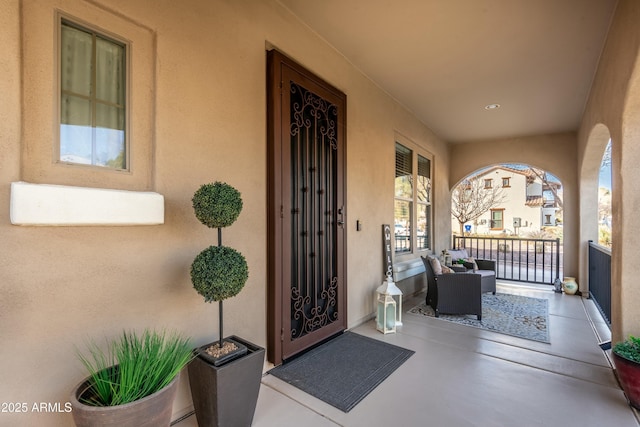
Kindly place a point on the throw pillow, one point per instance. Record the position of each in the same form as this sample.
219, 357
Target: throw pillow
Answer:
472, 260
447, 270
435, 265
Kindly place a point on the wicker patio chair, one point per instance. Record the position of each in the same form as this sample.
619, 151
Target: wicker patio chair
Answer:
453, 293
486, 268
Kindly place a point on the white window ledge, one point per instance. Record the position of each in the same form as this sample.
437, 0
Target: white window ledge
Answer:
60, 205
405, 269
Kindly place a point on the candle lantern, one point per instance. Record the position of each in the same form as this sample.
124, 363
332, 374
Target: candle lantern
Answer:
386, 314
389, 298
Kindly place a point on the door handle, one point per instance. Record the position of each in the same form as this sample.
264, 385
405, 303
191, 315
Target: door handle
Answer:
341, 217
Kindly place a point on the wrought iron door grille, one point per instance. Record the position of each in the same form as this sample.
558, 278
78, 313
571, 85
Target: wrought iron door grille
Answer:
314, 212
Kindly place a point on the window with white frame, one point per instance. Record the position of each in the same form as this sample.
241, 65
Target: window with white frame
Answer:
412, 204
93, 113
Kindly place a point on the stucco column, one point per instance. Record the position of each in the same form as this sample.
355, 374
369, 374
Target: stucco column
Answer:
626, 207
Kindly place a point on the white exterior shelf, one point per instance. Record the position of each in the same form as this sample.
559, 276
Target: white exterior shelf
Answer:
60, 205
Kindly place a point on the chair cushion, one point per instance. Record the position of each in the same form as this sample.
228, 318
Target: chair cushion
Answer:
485, 273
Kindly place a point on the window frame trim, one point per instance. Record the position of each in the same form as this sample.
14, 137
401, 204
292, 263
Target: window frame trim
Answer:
416, 150
491, 211
83, 25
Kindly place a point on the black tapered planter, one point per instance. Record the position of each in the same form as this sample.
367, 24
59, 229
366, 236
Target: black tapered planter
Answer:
227, 395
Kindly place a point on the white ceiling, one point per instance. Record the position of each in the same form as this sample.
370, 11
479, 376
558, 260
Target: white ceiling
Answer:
445, 60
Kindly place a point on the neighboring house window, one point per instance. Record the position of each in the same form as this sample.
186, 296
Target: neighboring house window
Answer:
547, 219
412, 204
488, 183
497, 219
506, 182
93, 114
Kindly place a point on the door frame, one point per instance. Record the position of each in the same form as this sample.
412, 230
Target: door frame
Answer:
276, 250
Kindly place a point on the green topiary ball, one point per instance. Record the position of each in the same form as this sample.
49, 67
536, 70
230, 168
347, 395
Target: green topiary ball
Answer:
218, 273
217, 204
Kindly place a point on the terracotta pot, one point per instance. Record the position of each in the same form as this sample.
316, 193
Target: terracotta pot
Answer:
628, 373
152, 411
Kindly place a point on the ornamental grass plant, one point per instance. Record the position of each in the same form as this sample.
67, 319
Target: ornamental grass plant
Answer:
133, 366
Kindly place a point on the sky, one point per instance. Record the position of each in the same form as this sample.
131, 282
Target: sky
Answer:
605, 177
605, 169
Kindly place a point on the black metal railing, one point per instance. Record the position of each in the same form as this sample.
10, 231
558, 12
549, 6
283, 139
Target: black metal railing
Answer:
403, 242
522, 260
600, 279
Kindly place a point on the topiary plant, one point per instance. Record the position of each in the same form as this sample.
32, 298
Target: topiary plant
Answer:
217, 205
218, 272
629, 348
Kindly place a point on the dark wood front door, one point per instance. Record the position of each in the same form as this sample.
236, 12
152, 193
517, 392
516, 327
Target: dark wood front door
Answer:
306, 213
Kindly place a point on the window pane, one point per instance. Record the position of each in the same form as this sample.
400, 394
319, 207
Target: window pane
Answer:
75, 130
404, 171
424, 180
110, 117
75, 111
496, 219
110, 139
402, 220
75, 61
422, 226
110, 72
93, 93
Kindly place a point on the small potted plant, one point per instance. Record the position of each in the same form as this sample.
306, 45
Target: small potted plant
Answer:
131, 382
626, 357
225, 375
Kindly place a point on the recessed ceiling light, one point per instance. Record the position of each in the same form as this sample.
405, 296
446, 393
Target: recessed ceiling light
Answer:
492, 107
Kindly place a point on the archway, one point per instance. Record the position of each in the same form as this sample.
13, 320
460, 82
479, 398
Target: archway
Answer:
513, 213
597, 142
555, 153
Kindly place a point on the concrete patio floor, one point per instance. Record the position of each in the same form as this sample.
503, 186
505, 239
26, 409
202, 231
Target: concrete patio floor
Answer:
464, 376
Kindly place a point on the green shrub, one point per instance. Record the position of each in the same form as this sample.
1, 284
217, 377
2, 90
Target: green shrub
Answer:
218, 273
133, 366
629, 348
217, 205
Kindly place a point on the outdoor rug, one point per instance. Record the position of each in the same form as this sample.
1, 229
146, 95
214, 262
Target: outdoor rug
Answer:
516, 315
344, 370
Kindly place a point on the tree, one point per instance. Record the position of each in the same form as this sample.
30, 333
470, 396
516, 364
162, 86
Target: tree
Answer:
470, 199
604, 217
606, 157
547, 185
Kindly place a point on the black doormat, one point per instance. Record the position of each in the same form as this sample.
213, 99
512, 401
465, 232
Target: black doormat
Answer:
344, 370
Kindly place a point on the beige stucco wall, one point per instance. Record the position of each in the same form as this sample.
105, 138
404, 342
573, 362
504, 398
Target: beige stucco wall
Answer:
555, 153
613, 110
205, 120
